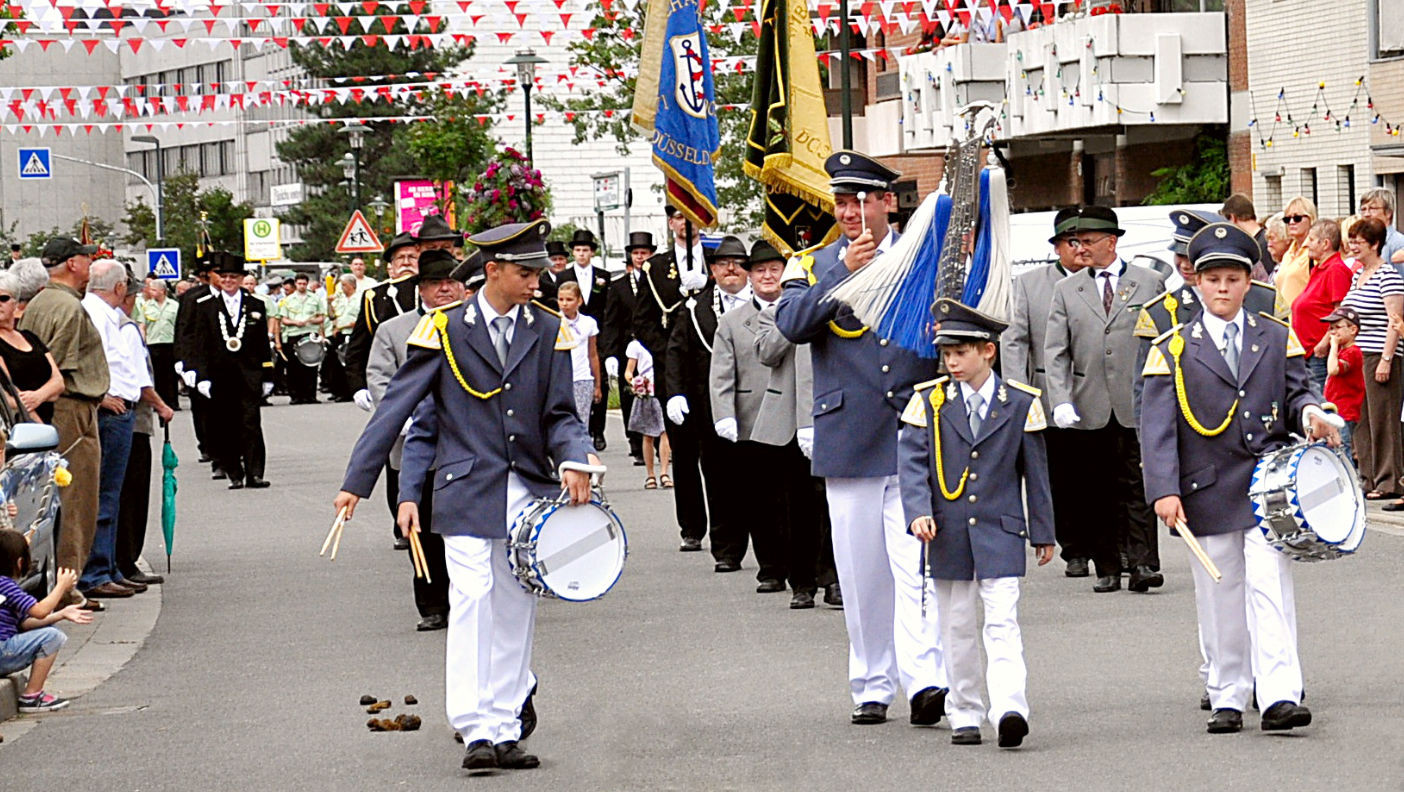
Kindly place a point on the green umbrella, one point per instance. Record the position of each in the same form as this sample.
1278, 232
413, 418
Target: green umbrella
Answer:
169, 463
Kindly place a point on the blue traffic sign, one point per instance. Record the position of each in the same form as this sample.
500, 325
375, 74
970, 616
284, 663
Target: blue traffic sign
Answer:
34, 163
164, 263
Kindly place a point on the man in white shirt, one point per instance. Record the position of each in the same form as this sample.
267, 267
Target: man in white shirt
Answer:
363, 281
126, 363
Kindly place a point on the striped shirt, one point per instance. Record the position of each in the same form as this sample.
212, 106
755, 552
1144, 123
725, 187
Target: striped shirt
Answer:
1367, 298
14, 607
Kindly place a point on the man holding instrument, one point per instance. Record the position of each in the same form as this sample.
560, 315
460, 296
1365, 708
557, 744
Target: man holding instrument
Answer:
499, 389
1220, 390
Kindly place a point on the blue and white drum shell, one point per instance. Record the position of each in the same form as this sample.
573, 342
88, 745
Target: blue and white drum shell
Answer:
1308, 502
573, 553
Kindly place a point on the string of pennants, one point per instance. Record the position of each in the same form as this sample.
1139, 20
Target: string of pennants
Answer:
1360, 111
483, 119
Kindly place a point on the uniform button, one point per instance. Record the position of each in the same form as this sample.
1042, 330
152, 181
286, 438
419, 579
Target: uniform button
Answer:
972, 520
1023, 533
1107, 331
1109, 353
889, 394
512, 465
506, 386
510, 413
974, 454
1242, 394
882, 342
823, 406
886, 368
974, 476
448, 477
1194, 485
1248, 436
1247, 414
973, 499
511, 438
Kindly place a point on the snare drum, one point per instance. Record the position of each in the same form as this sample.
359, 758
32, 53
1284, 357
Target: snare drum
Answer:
1308, 502
309, 350
574, 553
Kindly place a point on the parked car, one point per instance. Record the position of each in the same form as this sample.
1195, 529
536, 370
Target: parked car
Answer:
28, 480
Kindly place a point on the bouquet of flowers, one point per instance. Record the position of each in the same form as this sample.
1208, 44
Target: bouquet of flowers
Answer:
510, 190
642, 386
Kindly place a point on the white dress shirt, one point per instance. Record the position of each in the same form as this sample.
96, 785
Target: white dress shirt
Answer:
730, 302
881, 248
585, 276
489, 314
694, 279
763, 303
1214, 326
986, 392
126, 353
232, 303
1112, 272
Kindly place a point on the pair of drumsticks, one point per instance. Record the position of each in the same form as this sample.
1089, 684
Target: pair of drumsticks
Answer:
333, 540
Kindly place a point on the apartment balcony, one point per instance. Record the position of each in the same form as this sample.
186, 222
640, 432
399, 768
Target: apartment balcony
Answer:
935, 85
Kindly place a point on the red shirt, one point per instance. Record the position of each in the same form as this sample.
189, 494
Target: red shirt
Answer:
1326, 287
1346, 389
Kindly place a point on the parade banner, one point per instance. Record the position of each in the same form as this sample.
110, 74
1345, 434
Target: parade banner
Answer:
788, 140
416, 199
674, 103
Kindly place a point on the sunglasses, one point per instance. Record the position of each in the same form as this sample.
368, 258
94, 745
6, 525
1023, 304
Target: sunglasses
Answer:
1295, 218
4, 298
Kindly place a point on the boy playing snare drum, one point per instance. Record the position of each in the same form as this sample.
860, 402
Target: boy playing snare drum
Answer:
1220, 391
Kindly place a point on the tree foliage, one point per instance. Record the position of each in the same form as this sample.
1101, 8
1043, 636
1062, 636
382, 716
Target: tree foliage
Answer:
1206, 179
183, 201
614, 50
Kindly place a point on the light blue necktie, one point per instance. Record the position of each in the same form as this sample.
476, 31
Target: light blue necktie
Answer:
973, 404
1231, 348
501, 324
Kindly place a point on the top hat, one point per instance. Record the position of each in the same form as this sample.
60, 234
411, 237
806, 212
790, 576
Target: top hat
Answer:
557, 248
640, 239
583, 237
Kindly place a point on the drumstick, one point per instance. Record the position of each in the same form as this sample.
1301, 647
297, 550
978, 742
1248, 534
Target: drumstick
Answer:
1198, 551
421, 564
336, 545
335, 528
862, 196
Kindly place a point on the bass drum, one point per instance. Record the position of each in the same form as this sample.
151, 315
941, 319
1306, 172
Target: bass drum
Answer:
1308, 502
309, 350
573, 553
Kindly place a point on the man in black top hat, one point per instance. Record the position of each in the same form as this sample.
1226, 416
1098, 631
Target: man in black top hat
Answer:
617, 330
594, 291
550, 280
184, 354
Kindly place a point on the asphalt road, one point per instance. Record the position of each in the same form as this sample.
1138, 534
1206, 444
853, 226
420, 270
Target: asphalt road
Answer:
679, 679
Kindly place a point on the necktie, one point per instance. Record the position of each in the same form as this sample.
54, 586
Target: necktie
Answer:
1231, 348
1106, 292
501, 324
973, 404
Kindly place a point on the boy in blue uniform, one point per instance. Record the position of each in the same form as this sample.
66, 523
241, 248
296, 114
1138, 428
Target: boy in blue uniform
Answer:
971, 451
1219, 391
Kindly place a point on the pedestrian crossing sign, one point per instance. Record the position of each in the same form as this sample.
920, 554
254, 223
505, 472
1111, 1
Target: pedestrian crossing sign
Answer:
34, 163
358, 236
164, 263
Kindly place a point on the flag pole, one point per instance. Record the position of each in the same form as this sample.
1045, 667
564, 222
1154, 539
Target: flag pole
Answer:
845, 87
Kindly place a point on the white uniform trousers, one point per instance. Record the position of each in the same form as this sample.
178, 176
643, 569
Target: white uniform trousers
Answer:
1247, 622
879, 569
487, 663
1005, 674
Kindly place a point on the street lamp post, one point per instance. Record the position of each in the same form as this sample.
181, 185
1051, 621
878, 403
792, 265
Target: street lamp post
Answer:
160, 184
378, 206
525, 61
351, 162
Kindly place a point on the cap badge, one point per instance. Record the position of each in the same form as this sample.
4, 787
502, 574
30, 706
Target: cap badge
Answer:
945, 308
844, 159
1221, 232
1184, 220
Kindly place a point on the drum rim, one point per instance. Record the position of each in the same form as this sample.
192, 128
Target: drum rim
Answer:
550, 507
1318, 549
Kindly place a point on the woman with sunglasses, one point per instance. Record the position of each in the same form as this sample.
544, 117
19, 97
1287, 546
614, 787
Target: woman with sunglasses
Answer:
1295, 268
24, 357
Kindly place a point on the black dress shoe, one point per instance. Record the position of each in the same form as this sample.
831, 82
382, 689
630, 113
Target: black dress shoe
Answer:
966, 735
833, 595
481, 757
510, 756
1285, 715
770, 586
638, 462
401, 543
690, 545
1012, 730
255, 482
218, 475
528, 714
928, 705
1204, 703
1225, 721
1143, 579
1077, 567
236, 484
802, 600
142, 577
203, 458
600, 443
869, 713
432, 622
1107, 583
727, 566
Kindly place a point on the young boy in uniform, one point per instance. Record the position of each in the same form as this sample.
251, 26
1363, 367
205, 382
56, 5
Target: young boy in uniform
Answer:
970, 451
1220, 390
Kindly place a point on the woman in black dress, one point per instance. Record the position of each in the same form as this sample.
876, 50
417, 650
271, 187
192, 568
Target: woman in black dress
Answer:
25, 358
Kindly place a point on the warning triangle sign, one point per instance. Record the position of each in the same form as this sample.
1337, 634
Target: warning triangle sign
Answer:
35, 166
164, 267
358, 237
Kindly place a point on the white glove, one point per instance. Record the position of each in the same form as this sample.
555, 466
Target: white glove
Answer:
180, 368
1065, 415
677, 409
805, 437
726, 429
363, 399
404, 430
1333, 420
203, 388
267, 389
189, 378
612, 367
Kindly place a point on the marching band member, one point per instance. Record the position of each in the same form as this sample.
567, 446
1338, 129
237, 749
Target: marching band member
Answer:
976, 521
861, 385
300, 314
1220, 390
499, 390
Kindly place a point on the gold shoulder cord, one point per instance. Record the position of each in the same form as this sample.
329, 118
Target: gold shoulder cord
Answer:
1177, 347
938, 398
441, 324
807, 261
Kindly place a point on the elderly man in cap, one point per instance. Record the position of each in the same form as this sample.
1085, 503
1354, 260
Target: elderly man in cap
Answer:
233, 367
1021, 353
617, 330
57, 317
1091, 352
383, 301
1229, 362
438, 289
434, 234
489, 375
861, 385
